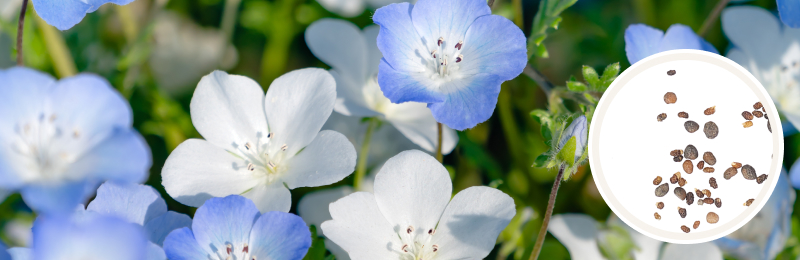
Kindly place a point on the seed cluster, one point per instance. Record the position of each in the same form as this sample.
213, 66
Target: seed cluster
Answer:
749, 116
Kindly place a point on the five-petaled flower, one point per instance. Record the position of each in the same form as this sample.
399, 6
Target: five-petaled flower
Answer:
410, 215
232, 228
451, 54
258, 146
642, 41
63, 14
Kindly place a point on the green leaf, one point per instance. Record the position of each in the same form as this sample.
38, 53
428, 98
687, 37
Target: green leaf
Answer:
590, 76
547, 134
576, 86
590, 98
317, 249
541, 51
548, 16
567, 153
609, 75
541, 160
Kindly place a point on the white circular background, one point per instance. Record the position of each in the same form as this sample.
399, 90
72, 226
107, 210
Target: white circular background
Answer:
628, 147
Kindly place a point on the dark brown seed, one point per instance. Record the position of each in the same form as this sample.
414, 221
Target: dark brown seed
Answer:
761, 178
682, 182
689, 198
749, 172
671, 72
710, 111
729, 173
711, 130
680, 193
657, 181
709, 158
688, 167
683, 115
673, 179
699, 193
708, 200
690, 152
749, 202
707, 193
747, 124
685, 229
769, 127
758, 114
766, 116
661, 117
670, 98
700, 165
736, 165
712, 182
660, 205
682, 212
691, 126
708, 169
662, 190
718, 202
696, 224
757, 105
678, 158
747, 115
712, 218
675, 152
658, 217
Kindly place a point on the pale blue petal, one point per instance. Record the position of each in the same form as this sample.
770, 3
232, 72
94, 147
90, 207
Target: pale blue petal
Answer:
739, 249
90, 104
706, 46
181, 245
679, 36
222, 221
279, 235
789, 12
470, 101
3, 254
494, 45
782, 199
399, 86
158, 228
641, 41
788, 129
17, 253
135, 203
55, 198
63, 14
794, 174
103, 236
401, 45
154, 252
123, 156
448, 19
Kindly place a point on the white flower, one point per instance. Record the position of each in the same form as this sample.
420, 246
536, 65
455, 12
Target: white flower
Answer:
770, 51
259, 146
354, 57
351, 8
410, 215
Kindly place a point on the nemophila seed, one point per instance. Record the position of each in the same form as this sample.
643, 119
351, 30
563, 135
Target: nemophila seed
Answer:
685, 229
712, 182
718, 202
696, 224
670, 98
708, 169
689, 198
690, 152
658, 217
758, 114
700, 165
657, 180
712, 218
749, 172
660, 205
757, 105
747, 115
661, 117
699, 202
680, 193
708, 200
662, 190
671, 72
699, 193
769, 127
682, 212
678, 158
707, 193
761, 178
674, 179
709, 158
683, 115
675, 152
682, 182
688, 167
747, 124
729, 173
766, 116
736, 165
710, 111
691, 126
711, 130
749, 202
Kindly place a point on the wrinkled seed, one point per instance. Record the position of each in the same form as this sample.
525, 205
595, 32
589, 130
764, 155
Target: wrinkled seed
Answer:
710, 111
691, 126
658, 217
660, 205
671, 72
682, 182
708, 169
761, 178
675, 152
757, 105
718, 202
707, 192
749, 172
747, 115
661, 117
711, 130
689, 198
685, 229
682, 212
699, 193
670, 98
657, 181
683, 115
758, 114
688, 167
712, 182
736, 165
747, 124
712, 218
696, 224
708, 200
700, 165
690, 152
729, 173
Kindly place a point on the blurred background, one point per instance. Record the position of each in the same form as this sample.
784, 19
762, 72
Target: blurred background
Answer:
155, 51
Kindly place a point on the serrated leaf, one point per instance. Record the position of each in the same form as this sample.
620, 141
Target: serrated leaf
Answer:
547, 134
590, 98
567, 152
609, 75
576, 86
541, 160
590, 76
317, 249
548, 16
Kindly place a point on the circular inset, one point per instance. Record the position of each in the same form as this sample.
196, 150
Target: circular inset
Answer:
628, 149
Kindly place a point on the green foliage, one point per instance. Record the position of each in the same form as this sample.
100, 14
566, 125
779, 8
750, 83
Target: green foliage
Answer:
567, 152
548, 16
317, 249
615, 243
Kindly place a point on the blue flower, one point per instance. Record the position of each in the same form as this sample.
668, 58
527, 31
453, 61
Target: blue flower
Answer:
60, 139
450, 54
232, 228
63, 14
642, 41
789, 11
3, 254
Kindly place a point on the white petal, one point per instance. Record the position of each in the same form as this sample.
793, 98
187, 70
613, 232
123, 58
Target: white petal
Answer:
335, 249
386, 141
755, 31
416, 122
339, 43
471, 223
313, 207
374, 54
227, 110
702, 251
345, 8
413, 189
578, 233
350, 99
326, 160
297, 105
360, 229
273, 197
197, 170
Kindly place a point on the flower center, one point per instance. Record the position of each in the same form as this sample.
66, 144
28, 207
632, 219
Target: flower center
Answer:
417, 245
260, 161
41, 144
374, 96
445, 57
234, 252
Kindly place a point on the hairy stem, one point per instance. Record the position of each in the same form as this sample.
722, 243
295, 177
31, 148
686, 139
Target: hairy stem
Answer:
361, 167
537, 248
539, 78
712, 17
20, 29
439, 143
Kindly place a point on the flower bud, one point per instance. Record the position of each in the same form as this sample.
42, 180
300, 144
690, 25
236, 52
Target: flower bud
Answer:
578, 129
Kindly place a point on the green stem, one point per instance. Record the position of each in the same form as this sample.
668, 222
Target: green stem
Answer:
537, 248
129, 26
712, 17
361, 167
62, 60
518, 13
229, 17
20, 29
439, 155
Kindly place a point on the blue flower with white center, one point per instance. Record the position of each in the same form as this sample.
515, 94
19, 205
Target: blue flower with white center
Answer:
642, 41
60, 139
63, 14
789, 11
450, 54
231, 228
